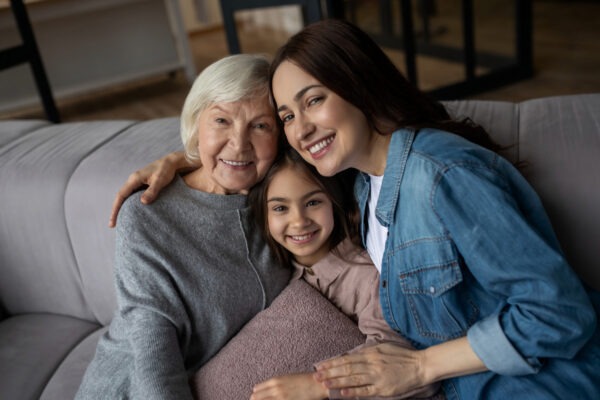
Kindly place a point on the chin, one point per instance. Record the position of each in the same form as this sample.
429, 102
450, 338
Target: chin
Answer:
325, 171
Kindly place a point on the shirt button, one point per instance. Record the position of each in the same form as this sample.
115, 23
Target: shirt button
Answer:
384, 283
431, 289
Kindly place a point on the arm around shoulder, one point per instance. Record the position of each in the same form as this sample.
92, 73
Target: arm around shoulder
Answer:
156, 176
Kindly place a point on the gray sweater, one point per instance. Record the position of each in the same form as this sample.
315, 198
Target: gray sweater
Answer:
190, 271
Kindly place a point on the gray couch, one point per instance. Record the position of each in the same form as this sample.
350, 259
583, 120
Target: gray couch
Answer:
57, 183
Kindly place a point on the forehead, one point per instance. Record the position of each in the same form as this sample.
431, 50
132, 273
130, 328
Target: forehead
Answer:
288, 76
293, 180
254, 105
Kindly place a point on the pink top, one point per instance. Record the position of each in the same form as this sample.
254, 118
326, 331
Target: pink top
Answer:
352, 284
348, 278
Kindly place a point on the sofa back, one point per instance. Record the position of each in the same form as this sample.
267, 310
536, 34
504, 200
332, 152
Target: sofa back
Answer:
57, 183
558, 139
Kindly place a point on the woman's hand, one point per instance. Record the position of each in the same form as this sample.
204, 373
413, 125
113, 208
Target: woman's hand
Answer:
382, 370
156, 176
391, 370
290, 387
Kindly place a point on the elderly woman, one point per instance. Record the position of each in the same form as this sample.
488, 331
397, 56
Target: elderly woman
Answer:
183, 291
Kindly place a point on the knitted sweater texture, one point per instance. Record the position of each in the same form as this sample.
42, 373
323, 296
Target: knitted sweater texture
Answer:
190, 271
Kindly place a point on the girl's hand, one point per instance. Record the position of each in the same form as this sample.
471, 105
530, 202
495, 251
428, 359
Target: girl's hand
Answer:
156, 176
382, 370
290, 387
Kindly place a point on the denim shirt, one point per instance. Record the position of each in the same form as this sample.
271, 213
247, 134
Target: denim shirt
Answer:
470, 251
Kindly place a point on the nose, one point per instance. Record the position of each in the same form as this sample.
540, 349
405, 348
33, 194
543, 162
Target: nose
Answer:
303, 127
299, 218
240, 139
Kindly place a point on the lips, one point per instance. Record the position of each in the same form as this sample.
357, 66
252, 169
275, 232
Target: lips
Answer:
320, 145
236, 163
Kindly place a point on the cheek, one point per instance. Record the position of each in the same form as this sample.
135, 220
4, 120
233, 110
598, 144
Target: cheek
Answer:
266, 148
296, 146
290, 138
329, 220
208, 142
274, 226
271, 225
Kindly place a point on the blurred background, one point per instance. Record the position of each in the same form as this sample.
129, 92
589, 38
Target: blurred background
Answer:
136, 59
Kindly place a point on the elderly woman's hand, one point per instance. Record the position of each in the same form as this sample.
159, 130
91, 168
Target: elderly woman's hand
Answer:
382, 370
156, 176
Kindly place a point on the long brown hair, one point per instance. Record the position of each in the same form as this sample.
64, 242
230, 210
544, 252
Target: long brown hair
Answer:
347, 61
337, 188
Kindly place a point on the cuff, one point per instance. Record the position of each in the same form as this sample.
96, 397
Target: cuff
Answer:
498, 354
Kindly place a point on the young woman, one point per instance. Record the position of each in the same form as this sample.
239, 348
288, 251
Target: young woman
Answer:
471, 271
311, 222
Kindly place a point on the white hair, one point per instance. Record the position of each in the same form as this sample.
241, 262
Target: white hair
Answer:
233, 78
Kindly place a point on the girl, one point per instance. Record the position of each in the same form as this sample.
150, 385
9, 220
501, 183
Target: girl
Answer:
310, 222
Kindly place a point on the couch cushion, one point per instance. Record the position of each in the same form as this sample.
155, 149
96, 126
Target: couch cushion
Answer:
300, 328
40, 273
560, 142
32, 347
89, 196
498, 118
67, 378
12, 130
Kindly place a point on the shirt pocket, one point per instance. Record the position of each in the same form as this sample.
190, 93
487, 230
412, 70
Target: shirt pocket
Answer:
434, 289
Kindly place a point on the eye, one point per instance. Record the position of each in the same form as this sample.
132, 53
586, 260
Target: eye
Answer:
263, 126
220, 120
286, 118
315, 100
279, 208
313, 203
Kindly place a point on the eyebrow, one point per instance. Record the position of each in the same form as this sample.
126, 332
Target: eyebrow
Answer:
215, 106
221, 109
298, 96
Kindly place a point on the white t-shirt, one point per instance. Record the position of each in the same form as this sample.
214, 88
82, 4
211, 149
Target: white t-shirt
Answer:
376, 233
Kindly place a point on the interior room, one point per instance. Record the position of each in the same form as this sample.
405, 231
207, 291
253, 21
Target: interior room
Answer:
564, 50
476, 241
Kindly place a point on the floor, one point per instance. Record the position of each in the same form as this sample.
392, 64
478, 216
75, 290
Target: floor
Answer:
566, 59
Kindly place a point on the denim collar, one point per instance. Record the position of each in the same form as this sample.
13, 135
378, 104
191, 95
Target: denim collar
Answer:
397, 156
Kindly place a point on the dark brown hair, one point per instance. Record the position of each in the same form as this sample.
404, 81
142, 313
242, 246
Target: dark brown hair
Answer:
337, 188
347, 61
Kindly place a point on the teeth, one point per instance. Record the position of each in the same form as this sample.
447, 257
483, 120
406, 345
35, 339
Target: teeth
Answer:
316, 147
301, 237
236, 163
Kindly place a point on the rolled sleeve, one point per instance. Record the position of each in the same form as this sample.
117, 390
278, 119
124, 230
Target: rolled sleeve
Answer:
500, 228
492, 346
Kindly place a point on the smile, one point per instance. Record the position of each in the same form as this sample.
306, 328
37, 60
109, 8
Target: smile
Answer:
302, 238
236, 163
315, 148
